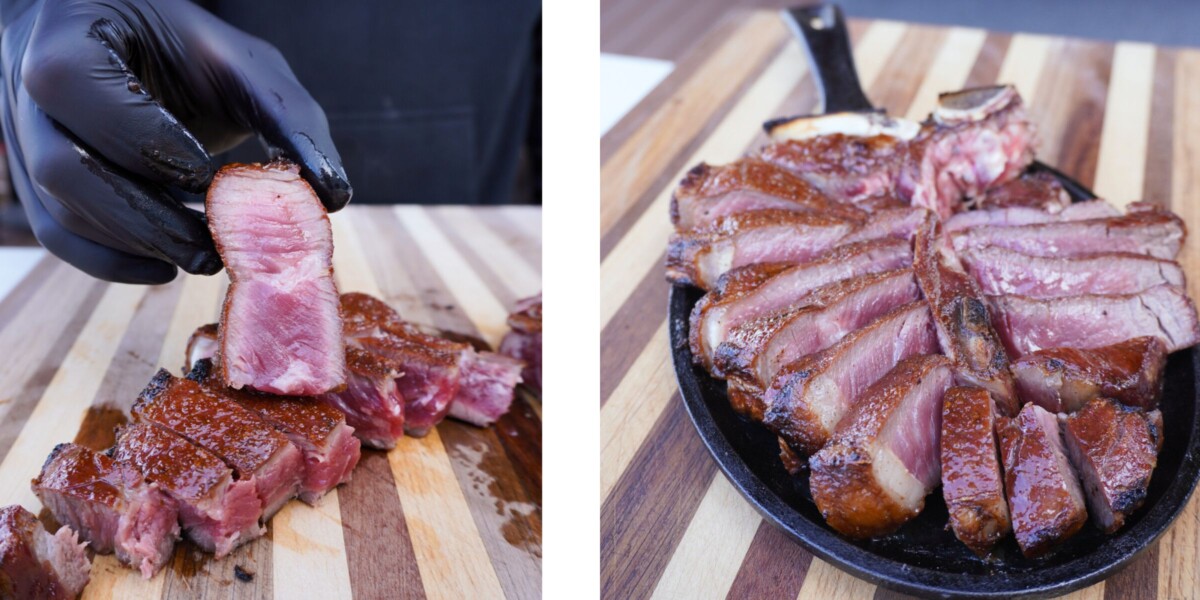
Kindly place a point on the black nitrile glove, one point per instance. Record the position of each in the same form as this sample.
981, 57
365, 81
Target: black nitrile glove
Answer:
110, 108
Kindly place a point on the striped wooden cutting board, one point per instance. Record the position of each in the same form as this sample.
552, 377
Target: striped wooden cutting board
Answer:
454, 514
1123, 119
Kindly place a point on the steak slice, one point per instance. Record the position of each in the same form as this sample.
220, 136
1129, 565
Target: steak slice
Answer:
960, 313
280, 326
748, 293
371, 401
1091, 321
217, 513
1044, 497
808, 397
1115, 448
972, 482
767, 236
846, 167
201, 345
1002, 271
110, 505
524, 340
249, 445
1012, 216
1040, 191
1155, 233
709, 193
882, 461
900, 223
37, 565
486, 389
1064, 379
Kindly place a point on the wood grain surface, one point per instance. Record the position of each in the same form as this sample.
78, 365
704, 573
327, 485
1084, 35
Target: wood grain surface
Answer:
454, 514
1122, 118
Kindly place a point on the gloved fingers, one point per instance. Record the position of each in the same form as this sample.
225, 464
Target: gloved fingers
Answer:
76, 69
145, 219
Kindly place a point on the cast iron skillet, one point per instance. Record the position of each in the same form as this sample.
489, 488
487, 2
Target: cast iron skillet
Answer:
923, 557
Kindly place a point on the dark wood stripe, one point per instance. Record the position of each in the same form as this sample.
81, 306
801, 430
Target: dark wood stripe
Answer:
652, 504
1071, 97
490, 278
136, 359
906, 68
882, 593
503, 224
1160, 147
774, 567
32, 282
379, 552
520, 432
987, 66
1139, 580
630, 329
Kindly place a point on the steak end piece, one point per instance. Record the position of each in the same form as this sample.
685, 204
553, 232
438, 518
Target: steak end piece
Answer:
486, 390
281, 329
1115, 448
110, 505
524, 340
1064, 379
972, 481
36, 564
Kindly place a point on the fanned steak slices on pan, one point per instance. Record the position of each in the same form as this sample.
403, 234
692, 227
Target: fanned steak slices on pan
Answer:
1012, 216
110, 505
249, 445
808, 397
1155, 233
960, 313
709, 193
1115, 448
201, 345
1091, 321
371, 401
766, 236
38, 565
318, 430
1044, 497
485, 392
900, 223
846, 167
972, 481
281, 331
1002, 271
524, 340
1064, 379
882, 461
1040, 191
748, 293
217, 512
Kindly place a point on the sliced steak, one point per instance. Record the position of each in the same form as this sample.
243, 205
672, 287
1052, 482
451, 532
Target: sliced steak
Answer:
1155, 233
201, 345
960, 313
1040, 191
899, 223
110, 506
748, 293
486, 389
847, 168
709, 193
1091, 321
972, 482
524, 340
1012, 216
1115, 448
882, 461
249, 445
36, 565
371, 402
280, 326
217, 513
1044, 496
1002, 271
765, 236
1064, 379
808, 397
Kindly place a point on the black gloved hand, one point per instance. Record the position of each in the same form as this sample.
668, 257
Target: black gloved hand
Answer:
110, 107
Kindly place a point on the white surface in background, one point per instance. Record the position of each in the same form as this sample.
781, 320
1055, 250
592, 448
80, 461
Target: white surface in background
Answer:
624, 81
15, 263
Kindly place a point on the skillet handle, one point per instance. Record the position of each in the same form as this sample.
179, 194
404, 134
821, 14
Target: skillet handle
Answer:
822, 29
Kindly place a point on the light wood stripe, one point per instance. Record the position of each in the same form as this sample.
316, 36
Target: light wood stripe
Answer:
1120, 169
1094, 592
706, 561
309, 551
512, 271
1023, 63
112, 581
634, 408
949, 70
197, 301
825, 581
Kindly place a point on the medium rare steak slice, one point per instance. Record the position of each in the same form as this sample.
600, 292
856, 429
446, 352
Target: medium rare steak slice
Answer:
35, 565
1064, 379
280, 326
201, 345
524, 340
1044, 497
766, 236
808, 397
318, 430
1002, 271
1155, 233
846, 167
960, 313
882, 461
486, 389
709, 193
900, 223
1115, 448
371, 401
110, 506
216, 512
1039, 191
1012, 216
1091, 321
748, 293
972, 482
249, 445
